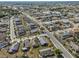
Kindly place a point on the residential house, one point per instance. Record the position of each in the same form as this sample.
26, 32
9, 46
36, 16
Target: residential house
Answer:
26, 45
14, 48
46, 52
74, 46
43, 41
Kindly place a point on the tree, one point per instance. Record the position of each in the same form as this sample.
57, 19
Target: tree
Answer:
49, 45
57, 52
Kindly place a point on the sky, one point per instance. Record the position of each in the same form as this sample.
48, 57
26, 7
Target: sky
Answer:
39, 0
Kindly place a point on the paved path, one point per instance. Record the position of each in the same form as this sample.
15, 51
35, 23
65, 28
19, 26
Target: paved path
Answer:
12, 34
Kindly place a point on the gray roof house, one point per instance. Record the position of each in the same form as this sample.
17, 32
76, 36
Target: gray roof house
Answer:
74, 46
26, 45
43, 41
14, 48
46, 52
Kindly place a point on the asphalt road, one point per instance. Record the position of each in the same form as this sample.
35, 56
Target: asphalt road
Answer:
12, 31
12, 34
57, 44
